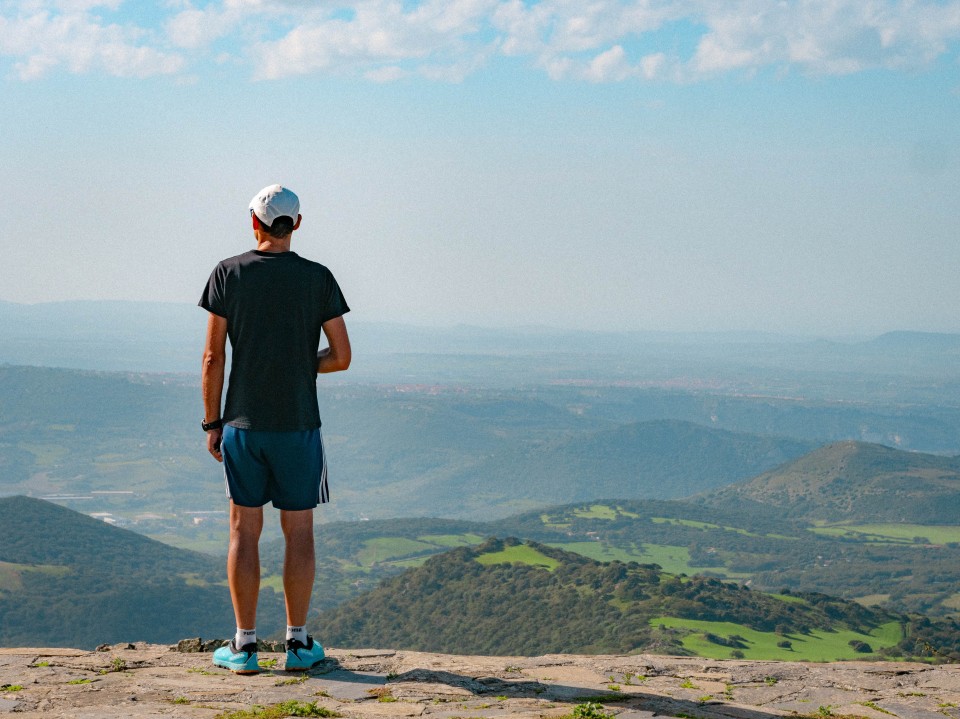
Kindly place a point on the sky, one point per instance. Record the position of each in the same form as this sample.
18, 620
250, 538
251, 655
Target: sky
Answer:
686, 165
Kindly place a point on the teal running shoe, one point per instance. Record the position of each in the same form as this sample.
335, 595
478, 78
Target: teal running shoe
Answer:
301, 657
239, 661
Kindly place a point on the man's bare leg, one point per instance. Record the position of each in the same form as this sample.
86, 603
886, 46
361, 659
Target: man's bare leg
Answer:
243, 563
299, 564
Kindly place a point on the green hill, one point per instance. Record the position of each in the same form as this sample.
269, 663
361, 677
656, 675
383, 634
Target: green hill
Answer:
856, 482
657, 459
904, 568
506, 597
69, 580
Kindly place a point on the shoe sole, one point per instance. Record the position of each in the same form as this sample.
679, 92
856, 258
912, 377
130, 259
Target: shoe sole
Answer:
304, 668
237, 671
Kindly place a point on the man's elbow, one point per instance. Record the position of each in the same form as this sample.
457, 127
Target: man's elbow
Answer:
341, 362
213, 360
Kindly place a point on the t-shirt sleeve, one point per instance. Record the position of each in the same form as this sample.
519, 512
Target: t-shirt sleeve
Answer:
335, 305
212, 299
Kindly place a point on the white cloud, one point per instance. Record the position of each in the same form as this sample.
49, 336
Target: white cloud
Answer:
436, 32
609, 66
382, 40
79, 41
192, 28
825, 36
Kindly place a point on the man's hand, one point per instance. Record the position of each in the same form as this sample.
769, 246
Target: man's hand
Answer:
336, 357
214, 437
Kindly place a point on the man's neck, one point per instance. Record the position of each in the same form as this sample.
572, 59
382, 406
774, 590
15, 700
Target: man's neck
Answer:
268, 243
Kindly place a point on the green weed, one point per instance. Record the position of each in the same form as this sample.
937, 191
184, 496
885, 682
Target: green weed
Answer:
590, 710
181, 700
292, 680
687, 684
80, 681
382, 694
11, 688
267, 663
291, 708
875, 707
118, 664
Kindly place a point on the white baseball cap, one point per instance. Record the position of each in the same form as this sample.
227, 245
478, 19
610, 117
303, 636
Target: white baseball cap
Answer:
275, 201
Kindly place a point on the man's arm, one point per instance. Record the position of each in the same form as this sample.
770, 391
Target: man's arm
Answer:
336, 356
211, 378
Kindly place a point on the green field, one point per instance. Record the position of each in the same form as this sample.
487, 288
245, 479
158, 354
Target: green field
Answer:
596, 511
897, 533
701, 525
818, 646
522, 554
452, 540
673, 559
383, 549
11, 573
409, 563
274, 582
789, 598
600, 552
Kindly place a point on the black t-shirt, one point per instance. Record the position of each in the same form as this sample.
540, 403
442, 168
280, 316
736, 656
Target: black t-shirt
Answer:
275, 304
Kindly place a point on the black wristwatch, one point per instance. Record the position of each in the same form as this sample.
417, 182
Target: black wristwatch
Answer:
215, 424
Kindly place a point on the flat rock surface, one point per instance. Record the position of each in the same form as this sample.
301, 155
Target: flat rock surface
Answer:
144, 680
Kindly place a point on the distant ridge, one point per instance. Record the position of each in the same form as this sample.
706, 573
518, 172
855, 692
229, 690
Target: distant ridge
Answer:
904, 339
68, 580
857, 482
660, 459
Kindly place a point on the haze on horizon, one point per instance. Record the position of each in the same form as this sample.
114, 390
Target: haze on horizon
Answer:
684, 165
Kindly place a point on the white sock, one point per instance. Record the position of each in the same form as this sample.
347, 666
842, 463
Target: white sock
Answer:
299, 633
244, 637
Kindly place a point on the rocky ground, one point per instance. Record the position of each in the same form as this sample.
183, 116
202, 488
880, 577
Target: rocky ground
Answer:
144, 680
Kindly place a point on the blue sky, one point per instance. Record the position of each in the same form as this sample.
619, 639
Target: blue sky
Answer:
648, 164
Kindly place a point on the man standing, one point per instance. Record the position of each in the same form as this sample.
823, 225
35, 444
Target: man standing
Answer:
273, 305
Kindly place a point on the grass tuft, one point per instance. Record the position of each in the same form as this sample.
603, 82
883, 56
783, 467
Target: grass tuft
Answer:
292, 708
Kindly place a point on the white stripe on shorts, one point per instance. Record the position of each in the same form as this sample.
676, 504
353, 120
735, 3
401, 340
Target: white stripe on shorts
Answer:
324, 489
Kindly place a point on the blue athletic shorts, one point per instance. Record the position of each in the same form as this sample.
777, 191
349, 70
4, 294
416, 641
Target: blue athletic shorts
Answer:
288, 469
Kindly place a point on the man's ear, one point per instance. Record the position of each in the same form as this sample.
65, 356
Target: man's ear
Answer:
256, 222
297, 226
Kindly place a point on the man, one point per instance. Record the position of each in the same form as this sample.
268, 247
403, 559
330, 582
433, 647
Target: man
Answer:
273, 305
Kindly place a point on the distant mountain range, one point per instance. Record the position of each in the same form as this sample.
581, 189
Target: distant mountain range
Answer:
167, 337
653, 460
856, 482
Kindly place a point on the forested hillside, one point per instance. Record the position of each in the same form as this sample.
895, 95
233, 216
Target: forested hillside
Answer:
67, 580
505, 597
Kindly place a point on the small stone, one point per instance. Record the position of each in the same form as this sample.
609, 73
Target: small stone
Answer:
190, 646
103, 648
